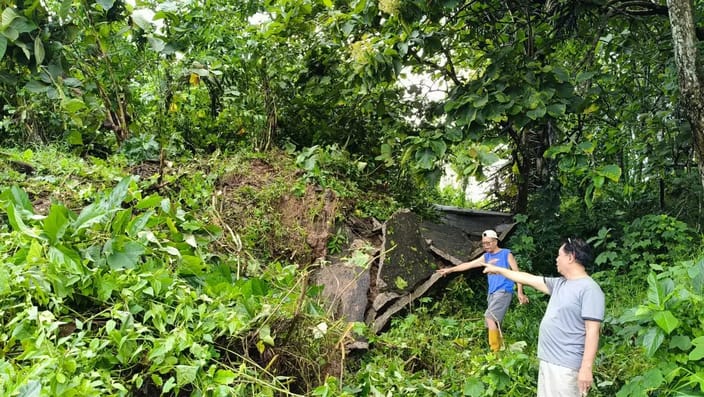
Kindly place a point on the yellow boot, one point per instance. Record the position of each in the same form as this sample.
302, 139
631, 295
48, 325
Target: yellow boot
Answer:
494, 340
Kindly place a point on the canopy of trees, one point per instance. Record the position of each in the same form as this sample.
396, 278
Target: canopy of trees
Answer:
576, 95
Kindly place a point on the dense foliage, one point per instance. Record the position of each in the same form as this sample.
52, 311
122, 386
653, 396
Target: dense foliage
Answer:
108, 289
126, 269
572, 95
127, 297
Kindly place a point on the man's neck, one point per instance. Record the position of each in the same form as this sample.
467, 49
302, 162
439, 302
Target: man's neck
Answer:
577, 273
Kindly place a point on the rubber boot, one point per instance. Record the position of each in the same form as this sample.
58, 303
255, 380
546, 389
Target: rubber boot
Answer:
494, 340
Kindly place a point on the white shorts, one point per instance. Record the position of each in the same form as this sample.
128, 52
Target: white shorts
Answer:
557, 381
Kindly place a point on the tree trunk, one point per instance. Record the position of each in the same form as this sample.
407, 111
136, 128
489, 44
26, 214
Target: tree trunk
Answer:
533, 171
690, 79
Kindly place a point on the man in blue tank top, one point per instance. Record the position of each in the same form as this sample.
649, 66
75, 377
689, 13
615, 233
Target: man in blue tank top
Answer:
569, 332
500, 289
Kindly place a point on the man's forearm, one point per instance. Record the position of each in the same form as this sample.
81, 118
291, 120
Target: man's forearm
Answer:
585, 377
591, 343
479, 262
519, 277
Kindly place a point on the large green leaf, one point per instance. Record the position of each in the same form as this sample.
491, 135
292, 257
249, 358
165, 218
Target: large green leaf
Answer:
536, 113
666, 321
151, 201
656, 295
698, 352
90, 215
125, 257
425, 158
192, 265
138, 223
556, 109
38, 51
652, 340
186, 374
555, 150
8, 15
598, 181
473, 387
140, 19
584, 76
439, 147
254, 287
560, 74
32, 388
224, 377
120, 221
23, 25
3, 46
55, 223
681, 342
73, 105
610, 171
19, 198
65, 270
65, 8
466, 115
653, 379
15, 218
586, 147
11, 34
36, 86
98, 211
695, 378
480, 102
696, 273
68, 258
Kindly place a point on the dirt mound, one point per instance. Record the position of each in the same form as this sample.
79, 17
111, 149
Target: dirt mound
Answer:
276, 212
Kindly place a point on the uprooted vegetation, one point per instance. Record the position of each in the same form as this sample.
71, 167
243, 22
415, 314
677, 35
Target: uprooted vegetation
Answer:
166, 278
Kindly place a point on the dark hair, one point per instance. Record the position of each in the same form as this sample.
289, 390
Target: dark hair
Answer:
581, 250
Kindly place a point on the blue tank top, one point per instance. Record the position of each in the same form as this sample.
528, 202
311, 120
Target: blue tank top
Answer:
496, 281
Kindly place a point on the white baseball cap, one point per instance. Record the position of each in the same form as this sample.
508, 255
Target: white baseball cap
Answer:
490, 234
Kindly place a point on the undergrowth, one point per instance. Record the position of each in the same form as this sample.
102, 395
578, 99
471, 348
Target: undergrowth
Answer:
651, 343
116, 280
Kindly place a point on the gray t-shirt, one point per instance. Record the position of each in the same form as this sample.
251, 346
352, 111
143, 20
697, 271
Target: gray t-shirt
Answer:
562, 331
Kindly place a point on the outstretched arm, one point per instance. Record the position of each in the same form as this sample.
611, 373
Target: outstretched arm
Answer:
534, 281
522, 298
479, 262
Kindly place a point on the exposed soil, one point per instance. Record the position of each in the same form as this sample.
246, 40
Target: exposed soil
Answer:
279, 214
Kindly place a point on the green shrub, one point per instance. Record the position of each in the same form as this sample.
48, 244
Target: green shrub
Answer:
669, 327
427, 352
126, 298
651, 239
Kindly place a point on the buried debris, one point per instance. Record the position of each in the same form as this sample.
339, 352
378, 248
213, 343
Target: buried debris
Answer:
388, 266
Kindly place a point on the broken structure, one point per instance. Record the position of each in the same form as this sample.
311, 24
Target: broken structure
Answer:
388, 266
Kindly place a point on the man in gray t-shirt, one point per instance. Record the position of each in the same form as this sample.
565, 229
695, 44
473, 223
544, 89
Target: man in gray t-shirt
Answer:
569, 331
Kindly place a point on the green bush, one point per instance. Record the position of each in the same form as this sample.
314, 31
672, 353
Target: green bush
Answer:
651, 239
428, 352
668, 327
126, 298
